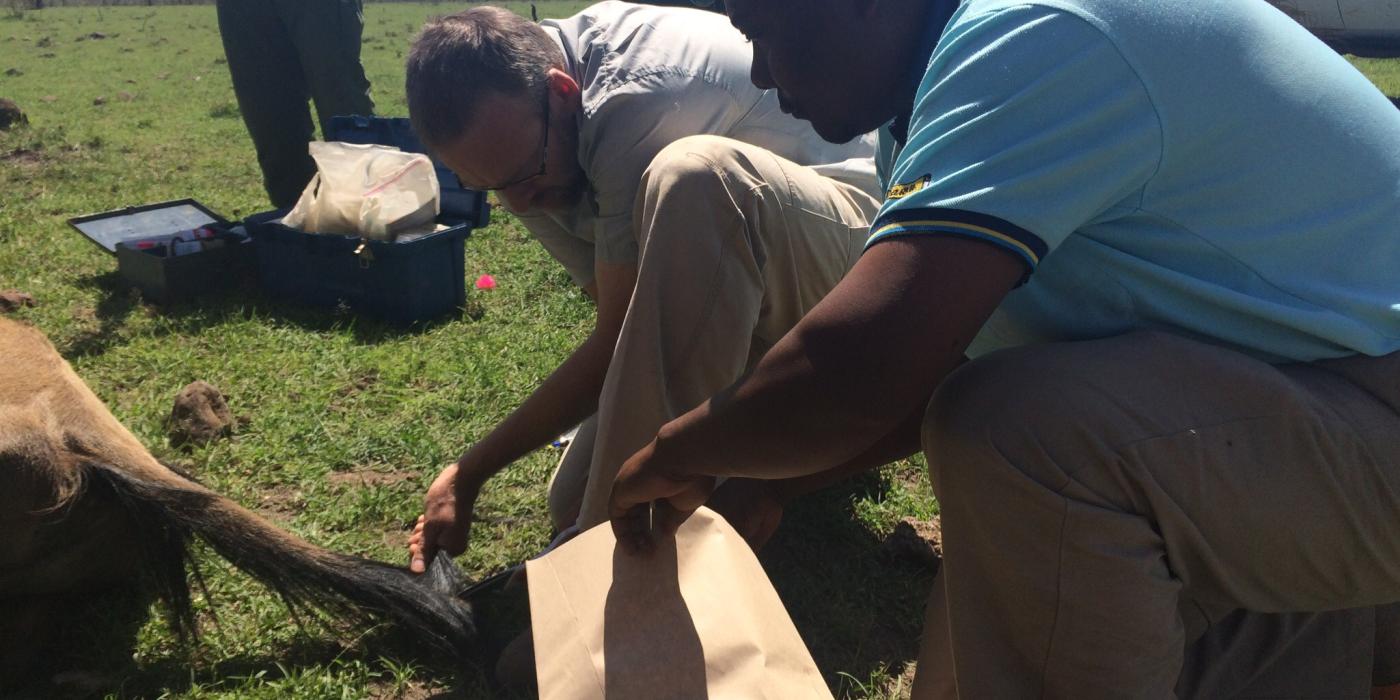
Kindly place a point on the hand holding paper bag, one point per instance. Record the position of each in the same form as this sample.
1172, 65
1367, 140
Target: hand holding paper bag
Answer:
638, 485
693, 618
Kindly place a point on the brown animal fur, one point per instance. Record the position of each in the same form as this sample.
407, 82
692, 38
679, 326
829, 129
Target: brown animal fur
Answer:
85, 507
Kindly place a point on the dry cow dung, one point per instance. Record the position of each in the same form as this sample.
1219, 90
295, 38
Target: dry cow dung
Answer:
13, 299
11, 115
200, 415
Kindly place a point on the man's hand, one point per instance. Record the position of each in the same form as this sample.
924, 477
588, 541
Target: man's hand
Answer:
751, 508
445, 522
644, 479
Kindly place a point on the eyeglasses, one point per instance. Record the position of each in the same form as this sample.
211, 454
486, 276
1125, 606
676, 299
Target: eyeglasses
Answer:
544, 153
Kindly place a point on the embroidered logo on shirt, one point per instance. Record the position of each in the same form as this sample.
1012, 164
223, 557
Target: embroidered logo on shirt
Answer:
908, 188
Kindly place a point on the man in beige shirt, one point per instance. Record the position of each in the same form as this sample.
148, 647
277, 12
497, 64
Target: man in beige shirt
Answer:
702, 219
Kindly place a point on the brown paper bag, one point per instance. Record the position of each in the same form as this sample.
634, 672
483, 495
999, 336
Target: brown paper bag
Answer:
695, 619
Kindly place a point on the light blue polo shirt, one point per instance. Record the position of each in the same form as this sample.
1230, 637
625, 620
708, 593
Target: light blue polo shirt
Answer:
1200, 166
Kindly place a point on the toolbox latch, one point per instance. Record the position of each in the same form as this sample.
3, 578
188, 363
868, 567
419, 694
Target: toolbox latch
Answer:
364, 253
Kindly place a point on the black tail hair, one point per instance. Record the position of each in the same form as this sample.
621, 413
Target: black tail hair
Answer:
169, 516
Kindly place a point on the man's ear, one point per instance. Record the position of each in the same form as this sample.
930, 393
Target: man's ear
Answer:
564, 90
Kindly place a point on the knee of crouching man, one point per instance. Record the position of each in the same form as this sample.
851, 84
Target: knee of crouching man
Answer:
692, 179
692, 162
985, 409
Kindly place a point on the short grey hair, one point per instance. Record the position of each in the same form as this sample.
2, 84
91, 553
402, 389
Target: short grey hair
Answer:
461, 58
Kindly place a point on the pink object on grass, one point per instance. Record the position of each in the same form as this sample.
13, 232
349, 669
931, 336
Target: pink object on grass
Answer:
486, 282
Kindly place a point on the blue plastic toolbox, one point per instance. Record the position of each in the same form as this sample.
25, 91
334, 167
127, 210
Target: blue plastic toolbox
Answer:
173, 250
399, 282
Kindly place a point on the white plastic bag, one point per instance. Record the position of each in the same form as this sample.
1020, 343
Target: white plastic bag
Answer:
365, 190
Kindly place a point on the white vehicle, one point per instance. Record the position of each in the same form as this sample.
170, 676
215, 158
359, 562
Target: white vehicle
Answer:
1360, 27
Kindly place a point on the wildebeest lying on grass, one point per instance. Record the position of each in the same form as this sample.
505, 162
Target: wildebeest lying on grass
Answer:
85, 508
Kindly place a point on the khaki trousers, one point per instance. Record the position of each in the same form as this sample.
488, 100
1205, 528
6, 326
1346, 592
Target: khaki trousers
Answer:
1337, 655
737, 244
1107, 504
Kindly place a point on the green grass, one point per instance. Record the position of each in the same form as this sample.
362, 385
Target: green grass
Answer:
1384, 72
347, 420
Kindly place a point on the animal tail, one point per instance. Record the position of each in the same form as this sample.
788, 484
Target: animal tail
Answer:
172, 510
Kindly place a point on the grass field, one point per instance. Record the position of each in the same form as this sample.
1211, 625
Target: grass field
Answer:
1384, 72
347, 420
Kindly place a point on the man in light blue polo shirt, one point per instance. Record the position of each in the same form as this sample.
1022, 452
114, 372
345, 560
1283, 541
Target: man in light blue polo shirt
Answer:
1178, 224
1170, 197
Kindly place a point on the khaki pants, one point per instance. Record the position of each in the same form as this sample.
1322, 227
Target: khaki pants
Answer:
1336, 655
737, 244
1107, 504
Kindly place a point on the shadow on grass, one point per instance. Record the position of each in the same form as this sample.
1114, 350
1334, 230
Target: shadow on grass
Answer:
243, 302
92, 640
67, 635
859, 611
174, 675
112, 311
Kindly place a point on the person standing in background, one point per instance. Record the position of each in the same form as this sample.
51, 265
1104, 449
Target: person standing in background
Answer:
282, 53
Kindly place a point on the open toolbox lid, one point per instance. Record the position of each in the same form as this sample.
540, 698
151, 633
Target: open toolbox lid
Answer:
469, 205
109, 228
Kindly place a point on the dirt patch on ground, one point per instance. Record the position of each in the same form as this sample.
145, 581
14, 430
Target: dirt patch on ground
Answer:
397, 540
362, 477
910, 477
281, 503
900, 684
413, 690
23, 157
359, 384
85, 314
918, 542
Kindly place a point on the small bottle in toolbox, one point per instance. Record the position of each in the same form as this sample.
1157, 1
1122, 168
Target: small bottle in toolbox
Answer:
182, 242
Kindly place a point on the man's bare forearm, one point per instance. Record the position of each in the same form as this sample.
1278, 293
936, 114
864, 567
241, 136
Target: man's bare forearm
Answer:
901, 442
852, 371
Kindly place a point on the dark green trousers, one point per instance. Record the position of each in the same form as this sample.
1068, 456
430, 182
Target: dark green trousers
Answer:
282, 53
